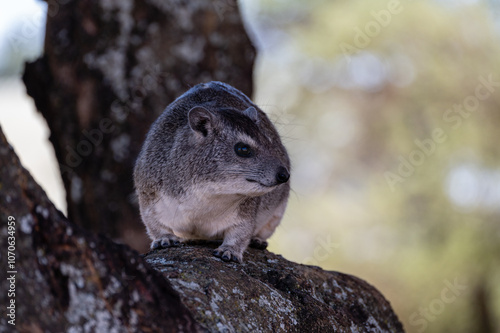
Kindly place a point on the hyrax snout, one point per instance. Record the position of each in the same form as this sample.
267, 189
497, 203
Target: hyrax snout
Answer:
212, 167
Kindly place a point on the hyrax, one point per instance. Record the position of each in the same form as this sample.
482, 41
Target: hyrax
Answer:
212, 167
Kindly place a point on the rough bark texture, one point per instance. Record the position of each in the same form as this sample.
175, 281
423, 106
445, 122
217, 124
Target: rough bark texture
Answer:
69, 280
268, 293
109, 69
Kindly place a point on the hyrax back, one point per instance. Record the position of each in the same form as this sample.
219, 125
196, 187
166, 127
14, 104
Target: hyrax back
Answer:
212, 167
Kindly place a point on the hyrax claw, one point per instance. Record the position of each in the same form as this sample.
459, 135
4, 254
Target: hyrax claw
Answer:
227, 254
258, 244
164, 242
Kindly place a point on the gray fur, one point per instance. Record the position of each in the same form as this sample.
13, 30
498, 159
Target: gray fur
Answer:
191, 183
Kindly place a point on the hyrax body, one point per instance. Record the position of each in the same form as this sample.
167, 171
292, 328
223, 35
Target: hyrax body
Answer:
212, 167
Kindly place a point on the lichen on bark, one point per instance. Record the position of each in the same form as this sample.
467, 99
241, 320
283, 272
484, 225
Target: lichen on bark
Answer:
268, 293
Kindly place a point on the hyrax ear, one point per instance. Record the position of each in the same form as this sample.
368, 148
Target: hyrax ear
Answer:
252, 113
201, 120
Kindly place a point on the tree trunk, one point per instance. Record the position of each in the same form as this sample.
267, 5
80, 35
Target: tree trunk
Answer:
64, 279
271, 294
109, 69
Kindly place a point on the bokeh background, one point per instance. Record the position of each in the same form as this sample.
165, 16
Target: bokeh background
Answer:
390, 111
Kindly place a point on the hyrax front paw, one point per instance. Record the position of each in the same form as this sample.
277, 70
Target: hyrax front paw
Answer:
165, 241
228, 253
259, 244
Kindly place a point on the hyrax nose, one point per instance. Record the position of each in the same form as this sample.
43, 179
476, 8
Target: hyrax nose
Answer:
282, 175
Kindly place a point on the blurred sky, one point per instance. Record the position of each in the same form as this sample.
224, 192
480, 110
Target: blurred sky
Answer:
22, 27
22, 24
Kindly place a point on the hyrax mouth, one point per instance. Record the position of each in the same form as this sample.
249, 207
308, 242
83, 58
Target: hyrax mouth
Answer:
281, 177
256, 181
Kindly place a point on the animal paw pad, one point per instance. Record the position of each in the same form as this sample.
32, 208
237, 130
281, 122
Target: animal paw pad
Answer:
165, 242
227, 255
258, 244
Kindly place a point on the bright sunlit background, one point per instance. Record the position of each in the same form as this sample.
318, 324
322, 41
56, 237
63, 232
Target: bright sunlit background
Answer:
390, 110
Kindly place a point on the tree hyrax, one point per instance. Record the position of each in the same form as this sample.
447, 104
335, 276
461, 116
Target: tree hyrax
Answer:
212, 167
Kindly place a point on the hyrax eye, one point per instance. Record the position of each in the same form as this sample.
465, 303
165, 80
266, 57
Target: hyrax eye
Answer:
243, 150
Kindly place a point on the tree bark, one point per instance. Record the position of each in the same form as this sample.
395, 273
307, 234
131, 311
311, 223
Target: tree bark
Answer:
271, 294
64, 279
109, 69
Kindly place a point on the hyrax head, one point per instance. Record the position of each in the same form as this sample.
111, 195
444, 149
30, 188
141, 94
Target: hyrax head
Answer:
243, 148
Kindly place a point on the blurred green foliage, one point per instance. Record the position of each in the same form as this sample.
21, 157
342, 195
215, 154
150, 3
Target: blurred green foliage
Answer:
396, 148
